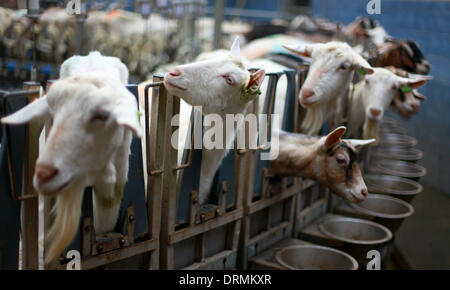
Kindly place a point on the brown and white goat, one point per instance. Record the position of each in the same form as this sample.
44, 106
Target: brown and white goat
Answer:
404, 54
329, 160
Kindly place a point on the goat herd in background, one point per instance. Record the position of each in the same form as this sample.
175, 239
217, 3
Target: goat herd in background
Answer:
90, 116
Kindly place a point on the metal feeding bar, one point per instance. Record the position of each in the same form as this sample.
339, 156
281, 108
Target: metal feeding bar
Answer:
33, 12
80, 20
151, 129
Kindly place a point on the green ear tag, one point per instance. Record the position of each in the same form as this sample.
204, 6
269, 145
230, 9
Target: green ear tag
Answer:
139, 114
406, 89
362, 71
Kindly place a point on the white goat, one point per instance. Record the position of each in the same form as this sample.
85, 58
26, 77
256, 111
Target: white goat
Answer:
93, 117
331, 72
372, 96
221, 85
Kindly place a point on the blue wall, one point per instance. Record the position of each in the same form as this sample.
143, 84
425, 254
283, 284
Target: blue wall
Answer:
428, 23
269, 6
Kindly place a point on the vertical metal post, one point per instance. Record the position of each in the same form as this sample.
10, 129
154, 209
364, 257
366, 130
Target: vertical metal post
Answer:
33, 11
30, 206
219, 17
80, 19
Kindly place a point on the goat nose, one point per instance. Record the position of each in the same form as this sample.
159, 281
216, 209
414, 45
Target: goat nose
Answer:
45, 172
364, 192
415, 107
175, 72
375, 112
307, 93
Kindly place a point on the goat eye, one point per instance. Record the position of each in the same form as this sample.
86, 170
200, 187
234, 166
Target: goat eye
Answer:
100, 115
367, 82
344, 66
229, 80
341, 161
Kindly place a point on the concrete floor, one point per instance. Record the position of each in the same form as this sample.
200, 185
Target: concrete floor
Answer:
424, 238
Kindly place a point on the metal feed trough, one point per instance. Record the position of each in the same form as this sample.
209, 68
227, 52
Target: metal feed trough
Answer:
385, 210
398, 168
314, 257
399, 187
357, 235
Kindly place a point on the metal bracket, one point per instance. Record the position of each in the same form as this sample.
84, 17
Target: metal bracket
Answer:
109, 241
202, 213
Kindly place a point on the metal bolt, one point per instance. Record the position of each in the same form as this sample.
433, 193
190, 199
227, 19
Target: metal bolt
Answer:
131, 218
122, 242
202, 216
100, 247
195, 200
217, 211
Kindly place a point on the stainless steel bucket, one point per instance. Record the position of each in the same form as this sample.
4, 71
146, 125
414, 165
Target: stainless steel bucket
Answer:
396, 153
388, 122
398, 187
399, 168
393, 130
358, 235
397, 140
386, 210
314, 257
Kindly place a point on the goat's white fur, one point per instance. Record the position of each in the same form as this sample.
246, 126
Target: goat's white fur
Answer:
374, 92
202, 84
84, 152
330, 74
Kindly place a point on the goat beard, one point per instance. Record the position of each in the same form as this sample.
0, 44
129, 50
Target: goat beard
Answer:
66, 212
370, 130
317, 115
314, 118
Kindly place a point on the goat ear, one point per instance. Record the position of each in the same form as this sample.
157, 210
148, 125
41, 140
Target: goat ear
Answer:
34, 110
361, 66
358, 143
408, 84
419, 77
235, 49
255, 82
419, 95
333, 137
417, 83
127, 114
305, 50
